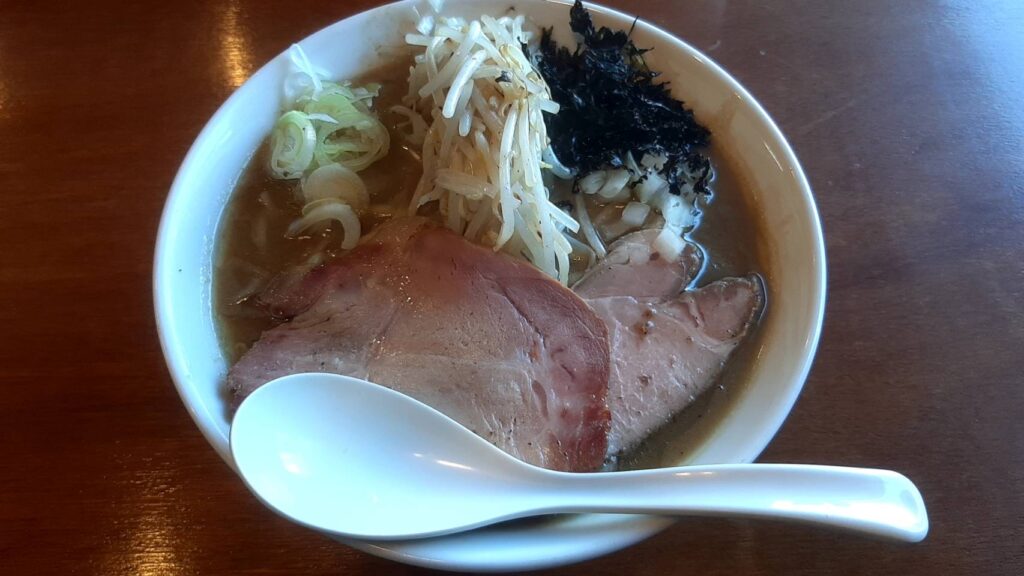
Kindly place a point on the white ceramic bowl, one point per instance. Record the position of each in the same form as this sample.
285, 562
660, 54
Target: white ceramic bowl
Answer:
761, 156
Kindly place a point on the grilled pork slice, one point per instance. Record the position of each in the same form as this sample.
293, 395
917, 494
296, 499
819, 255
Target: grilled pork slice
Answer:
667, 346
489, 340
634, 268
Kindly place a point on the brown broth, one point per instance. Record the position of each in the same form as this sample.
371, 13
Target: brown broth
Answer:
252, 247
251, 244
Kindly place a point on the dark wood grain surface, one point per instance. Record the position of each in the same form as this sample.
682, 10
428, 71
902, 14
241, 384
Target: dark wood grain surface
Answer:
909, 120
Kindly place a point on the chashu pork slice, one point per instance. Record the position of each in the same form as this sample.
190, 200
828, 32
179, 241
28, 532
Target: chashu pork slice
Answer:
489, 340
667, 346
633, 267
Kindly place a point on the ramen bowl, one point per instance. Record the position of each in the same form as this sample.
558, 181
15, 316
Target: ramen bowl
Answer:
758, 154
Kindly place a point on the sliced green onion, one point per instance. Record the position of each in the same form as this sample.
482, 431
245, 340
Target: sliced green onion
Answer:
329, 134
327, 211
293, 145
356, 139
331, 123
335, 181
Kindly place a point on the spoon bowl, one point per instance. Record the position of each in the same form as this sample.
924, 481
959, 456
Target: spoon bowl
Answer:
322, 448
352, 458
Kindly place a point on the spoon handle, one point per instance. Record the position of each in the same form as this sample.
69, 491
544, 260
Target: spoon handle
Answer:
879, 502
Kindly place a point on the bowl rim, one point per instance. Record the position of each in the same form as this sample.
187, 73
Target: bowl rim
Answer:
201, 415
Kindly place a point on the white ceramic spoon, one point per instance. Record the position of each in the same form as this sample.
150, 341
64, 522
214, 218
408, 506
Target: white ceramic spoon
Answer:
356, 459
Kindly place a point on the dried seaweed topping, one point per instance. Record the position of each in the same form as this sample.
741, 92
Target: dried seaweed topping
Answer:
611, 105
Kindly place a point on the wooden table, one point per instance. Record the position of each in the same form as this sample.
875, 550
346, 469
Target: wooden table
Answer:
908, 118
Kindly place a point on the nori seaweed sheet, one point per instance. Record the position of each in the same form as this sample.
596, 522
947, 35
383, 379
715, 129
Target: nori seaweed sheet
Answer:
611, 104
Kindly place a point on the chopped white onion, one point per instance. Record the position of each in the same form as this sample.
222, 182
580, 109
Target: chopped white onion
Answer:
593, 182
635, 213
614, 184
669, 243
677, 213
652, 184
652, 162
